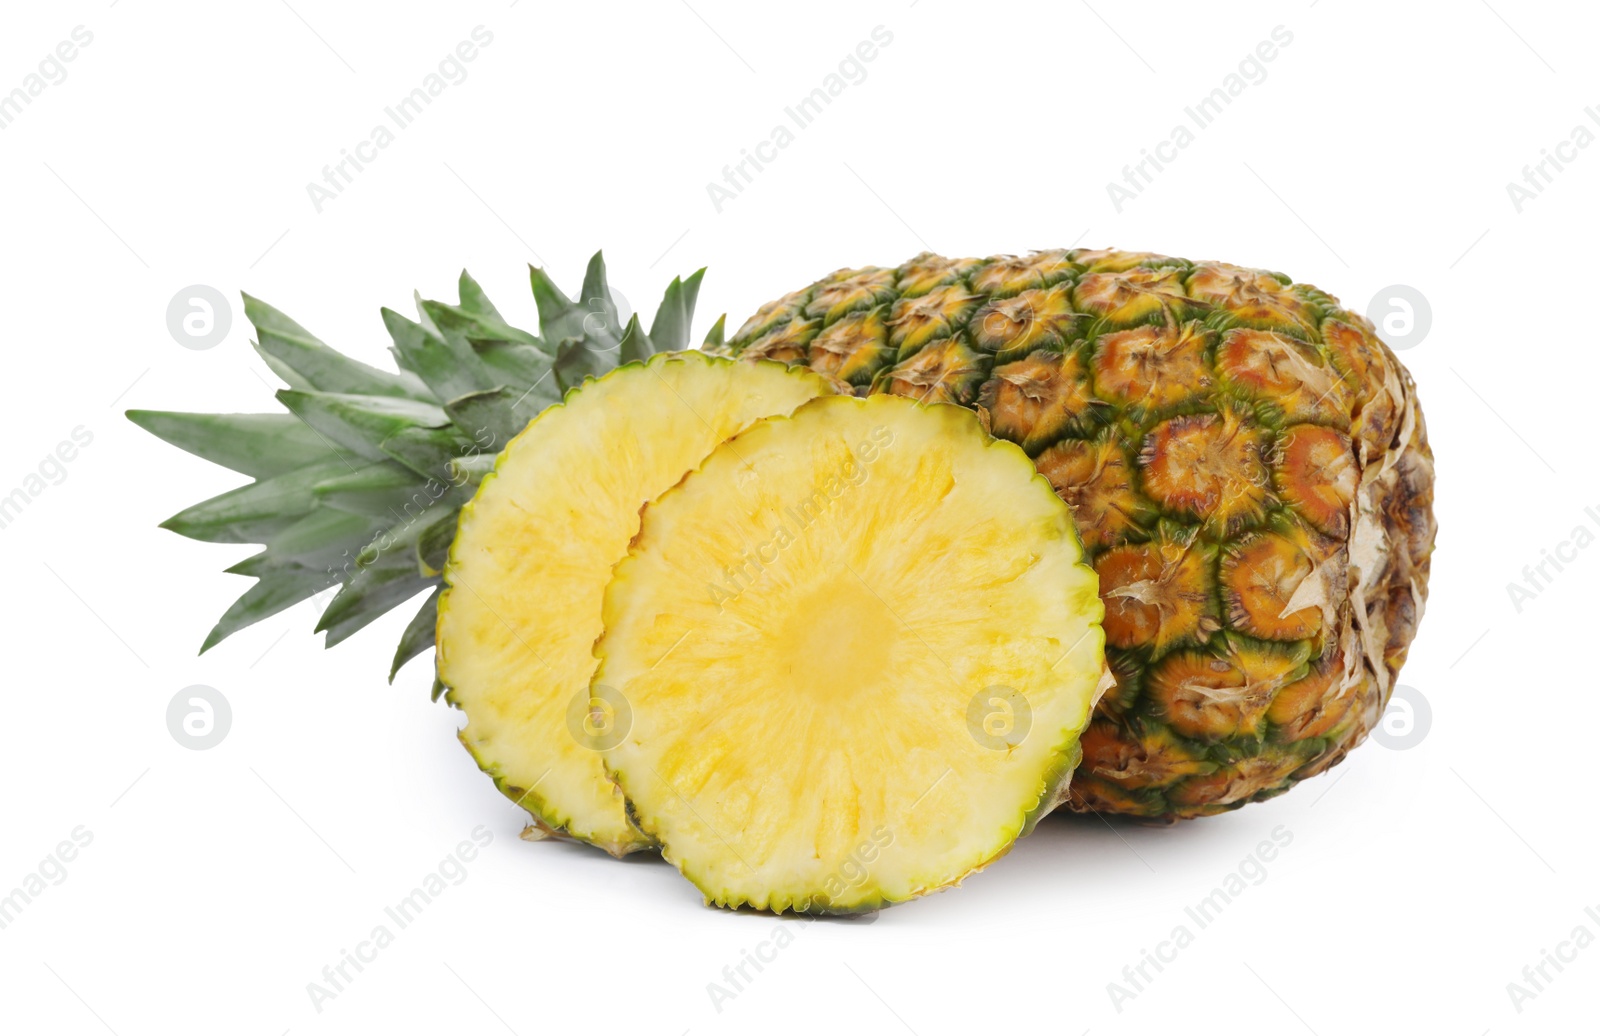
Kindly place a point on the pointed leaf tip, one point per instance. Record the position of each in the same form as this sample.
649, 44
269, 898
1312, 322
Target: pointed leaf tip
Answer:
596, 298
552, 302
258, 445
419, 634
714, 337
474, 300
669, 332
636, 345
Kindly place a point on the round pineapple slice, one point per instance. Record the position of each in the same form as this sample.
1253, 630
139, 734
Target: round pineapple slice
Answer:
855, 649
521, 607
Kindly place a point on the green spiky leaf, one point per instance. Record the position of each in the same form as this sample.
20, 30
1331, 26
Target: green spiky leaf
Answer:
471, 470
670, 330
600, 309
429, 451
318, 539
386, 573
474, 300
360, 424
471, 328
447, 370
278, 588
556, 311
524, 369
714, 337
256, 512
636, 345
360, 484
372, 593
419, 634
258, 445
374, 490
321, 368
490, 416
579, 358
433, 546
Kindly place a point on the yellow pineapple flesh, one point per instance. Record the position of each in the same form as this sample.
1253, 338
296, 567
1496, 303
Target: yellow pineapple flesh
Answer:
533, 552
858, 646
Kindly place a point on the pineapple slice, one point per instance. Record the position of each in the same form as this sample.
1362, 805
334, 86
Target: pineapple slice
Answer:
857, 648
521, 609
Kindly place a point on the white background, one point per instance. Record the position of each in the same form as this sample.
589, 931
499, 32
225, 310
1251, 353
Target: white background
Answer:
1418, 884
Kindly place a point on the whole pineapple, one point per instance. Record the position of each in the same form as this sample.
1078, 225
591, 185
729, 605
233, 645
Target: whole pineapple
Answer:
1248, 469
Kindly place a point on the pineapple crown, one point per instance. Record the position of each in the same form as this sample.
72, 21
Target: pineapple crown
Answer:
359, 485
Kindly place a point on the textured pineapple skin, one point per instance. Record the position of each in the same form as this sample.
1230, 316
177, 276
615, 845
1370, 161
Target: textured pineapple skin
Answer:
1247, 465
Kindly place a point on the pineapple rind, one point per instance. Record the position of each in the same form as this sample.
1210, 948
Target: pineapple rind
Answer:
1197, 405
697, 773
